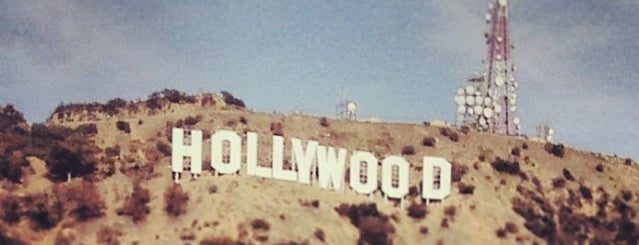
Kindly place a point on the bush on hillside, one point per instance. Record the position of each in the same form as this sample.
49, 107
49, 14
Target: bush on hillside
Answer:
220, 241
504, 166
8, 239
175, 200
568, 175
136, 204
323, 121
123, 126
44, 211
516, 151
458, 171
10, 209
555, 149
277, 128
466, 189
87, 129
429, 141
11, 170
164, 148
229, 99
417, 211
408, 150
191, 121
154, 101
450, 133
374, 227
11, 120
112, 107
62, 161
82, 199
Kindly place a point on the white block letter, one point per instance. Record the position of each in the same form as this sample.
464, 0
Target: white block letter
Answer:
304, 160
217, 150
401, 179
179, 151
278, 161
252, 167
331, 166
432, 178
356, 170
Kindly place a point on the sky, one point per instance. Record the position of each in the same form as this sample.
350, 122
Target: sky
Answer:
400, 60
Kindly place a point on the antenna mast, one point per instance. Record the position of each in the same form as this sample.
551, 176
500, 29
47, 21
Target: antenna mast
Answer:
346, 109
488, 102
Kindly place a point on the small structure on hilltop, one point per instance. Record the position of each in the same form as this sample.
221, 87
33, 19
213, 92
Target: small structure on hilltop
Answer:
346, 109
488, 101
545, 132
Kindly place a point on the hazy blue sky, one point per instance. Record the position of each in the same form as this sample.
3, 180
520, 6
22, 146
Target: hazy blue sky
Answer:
578, 61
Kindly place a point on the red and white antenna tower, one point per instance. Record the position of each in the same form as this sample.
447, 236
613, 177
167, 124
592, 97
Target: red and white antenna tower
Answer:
488, 102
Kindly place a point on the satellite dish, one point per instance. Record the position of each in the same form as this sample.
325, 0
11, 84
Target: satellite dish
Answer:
514, 96
482, 121
498, 57
470, 100
515, 84
551, 131
488, 112
479, 100
460, 100
461, 109
488, 101
351, 106
490, 6
512, 79
470, 111
478, 110
498, 109
460, 91
513, 108
516, 120
470, 89
499, 81
502, 3
513, 101
488, 16
499, 39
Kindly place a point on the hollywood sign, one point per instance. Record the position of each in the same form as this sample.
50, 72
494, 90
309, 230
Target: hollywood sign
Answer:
310, 164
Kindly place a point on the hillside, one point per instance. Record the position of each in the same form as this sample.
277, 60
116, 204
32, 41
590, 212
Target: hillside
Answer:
505, 189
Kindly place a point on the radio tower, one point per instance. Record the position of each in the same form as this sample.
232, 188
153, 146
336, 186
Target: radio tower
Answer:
488, 102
